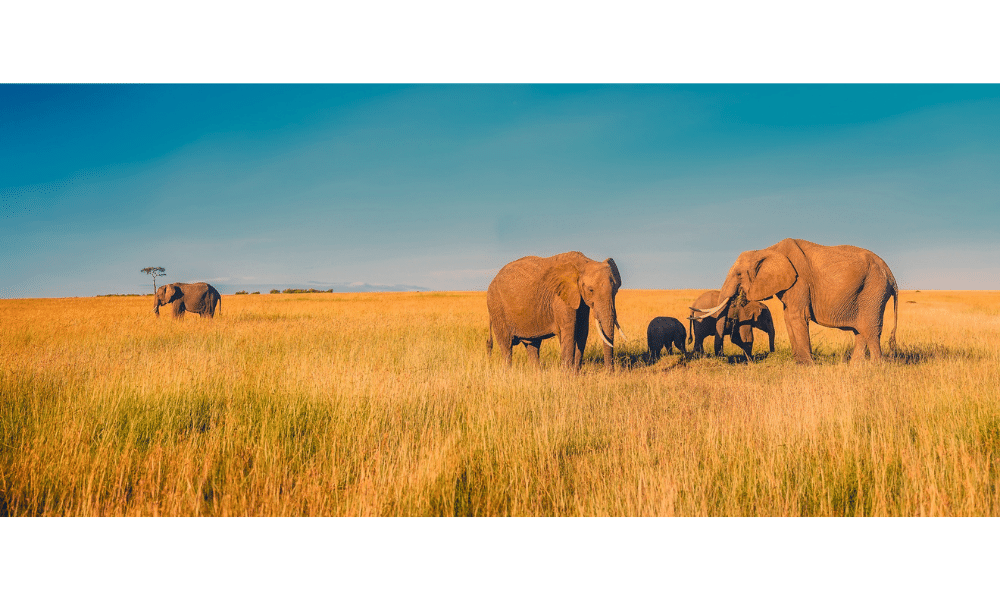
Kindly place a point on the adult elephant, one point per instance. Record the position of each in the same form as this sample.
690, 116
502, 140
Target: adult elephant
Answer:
738, 323
844, 287
534, 298
200, 298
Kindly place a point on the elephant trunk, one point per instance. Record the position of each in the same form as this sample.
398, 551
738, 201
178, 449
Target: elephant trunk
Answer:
606, 322
607, 341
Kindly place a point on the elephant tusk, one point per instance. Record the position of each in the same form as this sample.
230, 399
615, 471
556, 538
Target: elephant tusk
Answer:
620, 332
600, 330
710, 312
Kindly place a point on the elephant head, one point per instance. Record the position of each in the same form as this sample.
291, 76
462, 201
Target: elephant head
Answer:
595, 284
756, 275
165, 295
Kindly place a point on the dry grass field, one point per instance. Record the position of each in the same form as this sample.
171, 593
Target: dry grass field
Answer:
386, 404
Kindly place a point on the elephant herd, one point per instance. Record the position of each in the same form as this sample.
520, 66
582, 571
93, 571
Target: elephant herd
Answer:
533, 298
843, 287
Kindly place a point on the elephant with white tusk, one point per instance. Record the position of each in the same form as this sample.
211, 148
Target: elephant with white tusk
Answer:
534, 298
844, 287
200, 298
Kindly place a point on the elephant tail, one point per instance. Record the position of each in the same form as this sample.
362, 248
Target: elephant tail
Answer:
895, 319
489, 340
220, 305
690, 328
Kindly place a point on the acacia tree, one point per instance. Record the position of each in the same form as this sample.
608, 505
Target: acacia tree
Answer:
155, 272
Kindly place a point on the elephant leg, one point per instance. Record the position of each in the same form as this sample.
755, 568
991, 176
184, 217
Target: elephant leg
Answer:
867, 339
506, 343
178, 309
532, 346
654, 346
720, 335
581, 331
798, 335
860, 346
875, 348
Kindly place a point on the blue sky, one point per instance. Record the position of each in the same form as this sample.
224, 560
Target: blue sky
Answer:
438, 186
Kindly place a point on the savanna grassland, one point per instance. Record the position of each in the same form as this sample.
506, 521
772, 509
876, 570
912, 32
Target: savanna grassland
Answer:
386, 404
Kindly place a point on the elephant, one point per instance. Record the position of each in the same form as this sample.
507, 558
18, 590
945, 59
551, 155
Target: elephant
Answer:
532, 299
843, 287
738, 323
200, 298
665, 332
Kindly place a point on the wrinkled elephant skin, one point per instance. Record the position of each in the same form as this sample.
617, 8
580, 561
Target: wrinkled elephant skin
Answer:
843, 287
200, 298
535, 298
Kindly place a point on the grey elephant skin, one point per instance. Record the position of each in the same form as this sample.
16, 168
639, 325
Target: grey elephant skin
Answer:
738, 322
200, 298
843, 287
664, 332
533, 298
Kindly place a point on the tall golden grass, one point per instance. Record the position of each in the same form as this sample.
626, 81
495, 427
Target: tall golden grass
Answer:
386, 404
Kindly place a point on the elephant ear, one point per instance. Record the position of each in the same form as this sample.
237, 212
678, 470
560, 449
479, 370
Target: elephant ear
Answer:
774, 274
751, 311
616, 277
173, 292
565, 279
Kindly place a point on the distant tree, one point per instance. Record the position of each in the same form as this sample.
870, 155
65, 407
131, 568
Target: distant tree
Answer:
155, 272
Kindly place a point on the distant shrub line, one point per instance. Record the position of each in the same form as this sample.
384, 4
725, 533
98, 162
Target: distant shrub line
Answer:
292, 291
241, 292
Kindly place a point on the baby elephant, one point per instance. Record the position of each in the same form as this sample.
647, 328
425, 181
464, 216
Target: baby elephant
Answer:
661, 333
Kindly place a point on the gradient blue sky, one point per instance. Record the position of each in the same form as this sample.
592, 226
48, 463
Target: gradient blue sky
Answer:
438, 186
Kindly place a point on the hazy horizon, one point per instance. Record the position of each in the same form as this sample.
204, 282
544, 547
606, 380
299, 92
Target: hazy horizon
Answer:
438, 186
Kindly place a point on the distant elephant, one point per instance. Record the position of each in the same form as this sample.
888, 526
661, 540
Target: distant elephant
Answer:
533, 298
738, 323
200, 298
844, 287
664, 332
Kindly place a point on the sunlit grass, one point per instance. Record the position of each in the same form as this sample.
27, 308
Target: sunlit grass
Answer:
386, 404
